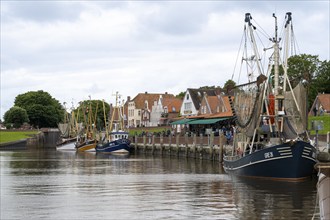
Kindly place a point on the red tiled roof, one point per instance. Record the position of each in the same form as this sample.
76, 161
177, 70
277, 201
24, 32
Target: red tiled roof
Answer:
171, 102
324, 100
140, 99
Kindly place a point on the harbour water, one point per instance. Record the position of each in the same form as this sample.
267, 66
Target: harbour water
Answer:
68, 185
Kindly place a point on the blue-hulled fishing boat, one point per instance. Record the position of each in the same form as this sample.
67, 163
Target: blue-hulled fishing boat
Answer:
118, 143
271, 139
117, 140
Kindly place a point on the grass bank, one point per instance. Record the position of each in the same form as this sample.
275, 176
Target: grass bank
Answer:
326, 124
138, 131
9, 136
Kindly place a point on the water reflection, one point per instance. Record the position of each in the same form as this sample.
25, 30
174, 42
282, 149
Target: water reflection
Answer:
270, 198
87, 185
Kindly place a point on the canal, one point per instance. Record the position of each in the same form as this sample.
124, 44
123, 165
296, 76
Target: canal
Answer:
50, 184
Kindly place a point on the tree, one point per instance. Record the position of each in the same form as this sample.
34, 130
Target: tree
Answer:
96, 111
312, 72
42, 109
322, 79
16, 116
229, 84
180, 95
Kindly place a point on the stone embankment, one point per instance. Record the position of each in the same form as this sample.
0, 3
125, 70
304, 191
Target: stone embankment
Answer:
46, 138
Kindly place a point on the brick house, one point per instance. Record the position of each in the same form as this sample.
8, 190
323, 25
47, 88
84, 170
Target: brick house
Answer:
140, 107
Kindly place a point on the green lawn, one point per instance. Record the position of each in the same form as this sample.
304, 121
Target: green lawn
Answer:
326, 123
9, 136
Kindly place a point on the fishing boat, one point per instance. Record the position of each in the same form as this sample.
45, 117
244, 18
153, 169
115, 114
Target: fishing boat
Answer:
117, 140
68, 132
87, 140
271, 140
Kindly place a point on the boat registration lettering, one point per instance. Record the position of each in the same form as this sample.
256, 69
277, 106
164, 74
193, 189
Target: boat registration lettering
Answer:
268, 155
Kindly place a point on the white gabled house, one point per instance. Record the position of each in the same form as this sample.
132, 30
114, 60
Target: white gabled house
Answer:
192, 100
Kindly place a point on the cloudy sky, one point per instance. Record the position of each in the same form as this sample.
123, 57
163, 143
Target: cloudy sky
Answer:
77, 49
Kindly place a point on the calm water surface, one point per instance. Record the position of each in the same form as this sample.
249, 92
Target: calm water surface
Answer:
70, 185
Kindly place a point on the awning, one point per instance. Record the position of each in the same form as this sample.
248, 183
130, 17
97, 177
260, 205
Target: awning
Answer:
182, 121
206, 121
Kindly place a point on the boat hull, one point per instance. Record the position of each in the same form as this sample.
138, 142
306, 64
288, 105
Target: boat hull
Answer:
66, 147
118, 146
292, 161
86, 147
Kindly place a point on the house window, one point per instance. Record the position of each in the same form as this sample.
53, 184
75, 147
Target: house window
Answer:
165, 110
139, 113
173, 109
187, 106
187, 97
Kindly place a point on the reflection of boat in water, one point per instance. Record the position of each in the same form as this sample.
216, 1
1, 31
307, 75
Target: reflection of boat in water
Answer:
117, 141
323, 184
270, 199
272, 140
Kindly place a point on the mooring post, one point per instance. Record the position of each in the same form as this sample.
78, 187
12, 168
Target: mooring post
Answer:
144, 143
153, 144
220, 147
161, 143
186, 144
211, 145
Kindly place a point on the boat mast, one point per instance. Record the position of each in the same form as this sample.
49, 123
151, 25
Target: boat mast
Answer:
276, 68
251, 27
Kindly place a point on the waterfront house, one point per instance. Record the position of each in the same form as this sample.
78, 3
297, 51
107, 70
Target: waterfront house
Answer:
214, 104
140, 108
192, 100
213, 113
165, 110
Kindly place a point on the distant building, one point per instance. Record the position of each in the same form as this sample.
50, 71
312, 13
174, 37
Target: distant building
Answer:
140, 107
321, 105
165, 110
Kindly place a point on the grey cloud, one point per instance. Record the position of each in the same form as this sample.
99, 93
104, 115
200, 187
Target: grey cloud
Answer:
41, 11
179, 18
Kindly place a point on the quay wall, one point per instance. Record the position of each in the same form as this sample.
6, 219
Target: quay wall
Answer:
45, 138
202, 147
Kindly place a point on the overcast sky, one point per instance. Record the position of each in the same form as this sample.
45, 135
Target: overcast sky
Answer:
77, 49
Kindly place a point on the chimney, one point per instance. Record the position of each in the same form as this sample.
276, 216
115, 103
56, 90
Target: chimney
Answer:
128, 98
